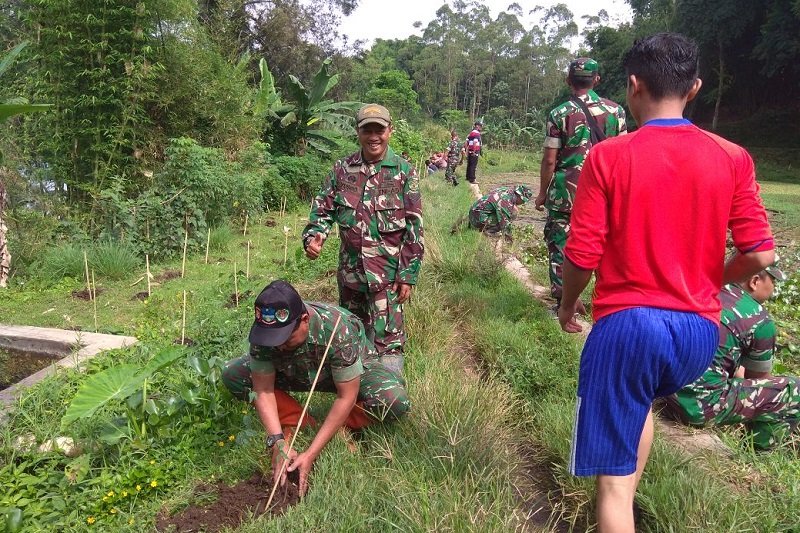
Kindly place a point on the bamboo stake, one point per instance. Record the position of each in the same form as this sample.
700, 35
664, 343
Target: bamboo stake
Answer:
86, 268
185, 245
285, 244
147, 272
246, 217
235, 285
94, 301
247, 269
183, 320
305, 408
208, 243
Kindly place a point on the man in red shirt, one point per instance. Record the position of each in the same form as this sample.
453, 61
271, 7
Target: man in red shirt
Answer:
658, 274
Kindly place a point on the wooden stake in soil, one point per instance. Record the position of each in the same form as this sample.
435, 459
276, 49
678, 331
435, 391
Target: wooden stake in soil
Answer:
185, 245
305, 408
208, 243
94, 301
183, 320
285, 243
147, 272
235, 285
247, 268
86, 268
246, 217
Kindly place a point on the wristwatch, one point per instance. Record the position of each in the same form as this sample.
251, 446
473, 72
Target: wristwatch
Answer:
272, 439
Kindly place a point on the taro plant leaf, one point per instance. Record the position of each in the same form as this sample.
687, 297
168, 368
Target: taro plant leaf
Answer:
190, 395
199, 365
151, 407
114, 431
9, 110
134, 401
117, 382
13, 520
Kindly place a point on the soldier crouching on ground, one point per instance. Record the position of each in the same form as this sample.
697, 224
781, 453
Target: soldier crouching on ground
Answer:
738, 387
287, 341
374, 197
494, 212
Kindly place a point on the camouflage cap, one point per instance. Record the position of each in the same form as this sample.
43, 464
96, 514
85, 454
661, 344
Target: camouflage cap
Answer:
776, 272
524, 192
584, 67
373, 113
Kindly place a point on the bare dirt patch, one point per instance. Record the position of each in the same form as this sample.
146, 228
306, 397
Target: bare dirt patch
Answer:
141, 296
168, 275
85, 294
231, 505
236, 299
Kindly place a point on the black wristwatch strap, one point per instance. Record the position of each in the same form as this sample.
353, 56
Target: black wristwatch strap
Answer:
272, 439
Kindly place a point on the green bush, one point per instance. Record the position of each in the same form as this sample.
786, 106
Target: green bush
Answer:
114, 259
303, 174
220, 238
63, 261
276, 189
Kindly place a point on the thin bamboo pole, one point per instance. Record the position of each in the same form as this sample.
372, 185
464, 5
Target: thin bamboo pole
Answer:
147, 273
247, 268
94, 301
235, 285
285, 244
183, 320
246, 218
86, 268
305, 408
185, 245
208, 243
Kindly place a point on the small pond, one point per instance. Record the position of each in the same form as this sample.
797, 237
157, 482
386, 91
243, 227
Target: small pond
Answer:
16, 365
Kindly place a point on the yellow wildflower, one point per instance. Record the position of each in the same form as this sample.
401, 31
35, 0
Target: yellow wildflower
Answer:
124, 493
90, 520
152, 461
110, 493
113, 511
154, 483
232, 438
221, 444
130, 521
138, 487
105, 498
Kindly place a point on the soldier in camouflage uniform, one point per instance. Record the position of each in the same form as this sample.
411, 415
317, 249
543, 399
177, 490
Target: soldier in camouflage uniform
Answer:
568, 138
5, 255
493, 212
374, 197
454, 158
287, 342
738, 387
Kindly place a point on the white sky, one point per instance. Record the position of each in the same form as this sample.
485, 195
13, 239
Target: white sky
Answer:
394, 19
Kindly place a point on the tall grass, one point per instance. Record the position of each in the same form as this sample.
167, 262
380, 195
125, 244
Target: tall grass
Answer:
113, 260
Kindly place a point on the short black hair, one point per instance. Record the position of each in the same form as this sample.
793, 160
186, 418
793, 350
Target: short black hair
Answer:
666, 62
581, 82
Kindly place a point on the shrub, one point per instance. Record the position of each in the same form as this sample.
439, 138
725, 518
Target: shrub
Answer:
220, 238
114, 259
63, 261
303, 174
275, 189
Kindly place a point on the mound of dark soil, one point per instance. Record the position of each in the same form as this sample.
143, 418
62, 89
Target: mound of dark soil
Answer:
140, 296
270, 223
168, 275
84, 294
243, 296
187, 341
232, 505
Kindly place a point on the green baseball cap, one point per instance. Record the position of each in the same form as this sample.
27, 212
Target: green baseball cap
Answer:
373, 113
775, 272
584, 67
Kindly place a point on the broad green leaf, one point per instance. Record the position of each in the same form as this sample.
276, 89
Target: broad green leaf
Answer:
13, 521
112, 433
199, 365
290, 118
9, 110
117, 382
190, 395
162, 359
6, 62
151, 407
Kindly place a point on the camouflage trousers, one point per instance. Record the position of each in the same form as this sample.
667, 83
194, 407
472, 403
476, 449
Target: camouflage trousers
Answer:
769, 407
382, 393
450, 172
383, 321
5, 256
556, 231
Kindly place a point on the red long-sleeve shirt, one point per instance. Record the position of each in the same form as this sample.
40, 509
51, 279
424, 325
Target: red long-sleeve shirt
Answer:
651, 215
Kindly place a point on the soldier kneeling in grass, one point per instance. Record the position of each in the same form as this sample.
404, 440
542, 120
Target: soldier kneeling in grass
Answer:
493, 212
287, 342
737, 387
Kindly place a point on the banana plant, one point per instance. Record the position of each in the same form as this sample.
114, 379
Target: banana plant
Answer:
309, 119
17, 105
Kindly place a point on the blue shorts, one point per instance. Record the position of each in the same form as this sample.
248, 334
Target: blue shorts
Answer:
630, 358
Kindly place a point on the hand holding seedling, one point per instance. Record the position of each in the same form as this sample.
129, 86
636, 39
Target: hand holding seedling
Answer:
279, 457
315, 246
303, 462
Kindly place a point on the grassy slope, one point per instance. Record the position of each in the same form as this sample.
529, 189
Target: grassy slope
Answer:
445, 468
514, 334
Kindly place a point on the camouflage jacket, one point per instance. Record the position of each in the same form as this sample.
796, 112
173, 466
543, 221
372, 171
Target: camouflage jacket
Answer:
296, 370
747, 338
379, 211
494, 211
567, 131
454, 152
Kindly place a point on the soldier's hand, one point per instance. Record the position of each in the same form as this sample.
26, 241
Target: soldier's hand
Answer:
403, 291
279, 456
314, 247
303, 462
539, 202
